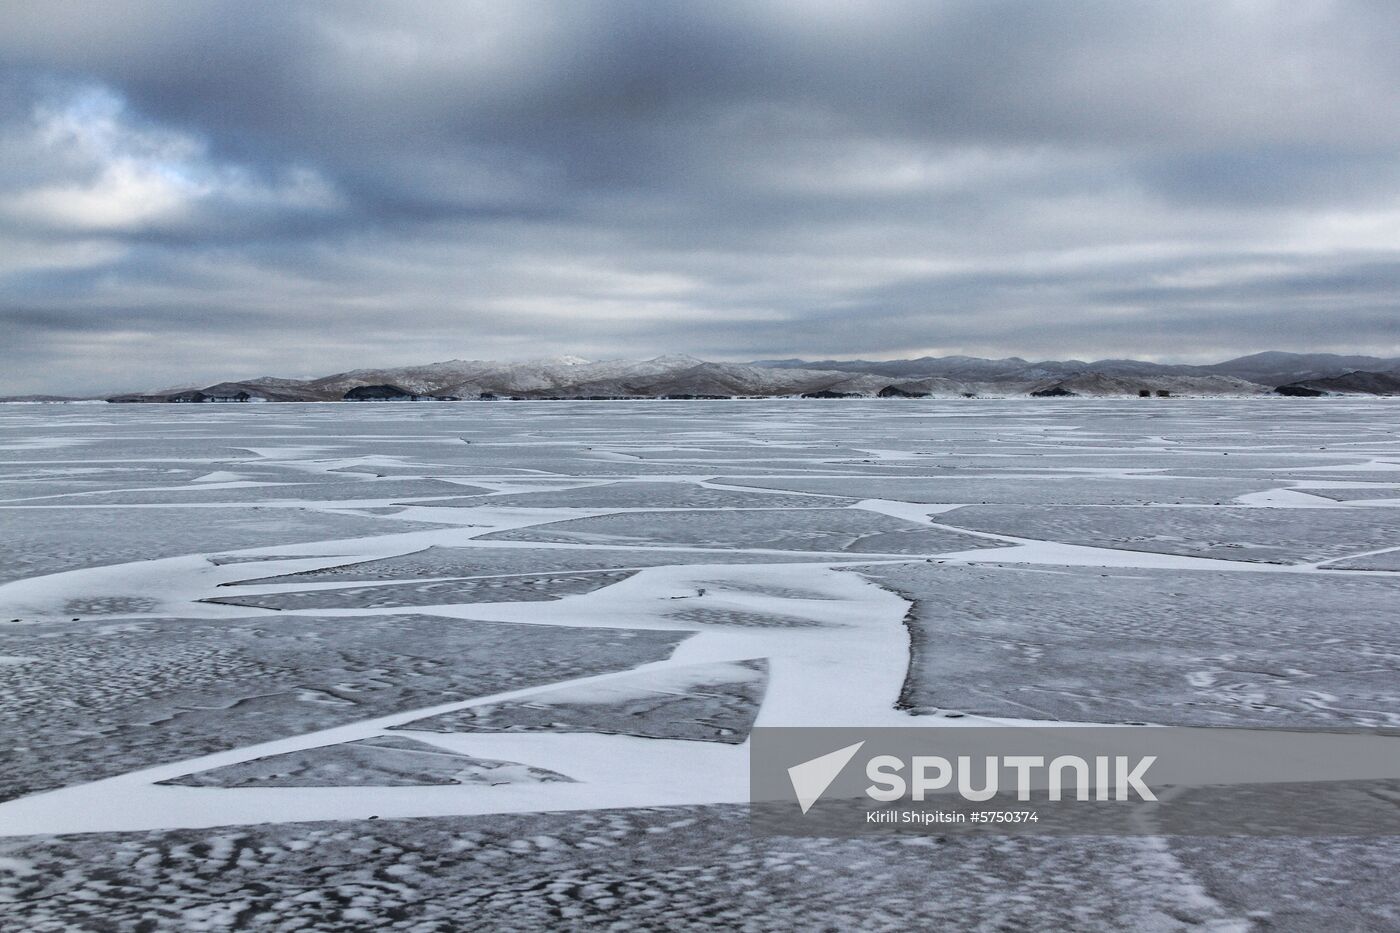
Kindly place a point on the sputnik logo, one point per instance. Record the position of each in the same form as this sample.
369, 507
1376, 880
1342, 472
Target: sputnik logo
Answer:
811, 778
893, 778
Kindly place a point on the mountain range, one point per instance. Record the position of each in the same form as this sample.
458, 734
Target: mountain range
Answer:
688, 377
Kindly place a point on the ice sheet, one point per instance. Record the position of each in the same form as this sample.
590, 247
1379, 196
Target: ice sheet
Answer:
1227, 562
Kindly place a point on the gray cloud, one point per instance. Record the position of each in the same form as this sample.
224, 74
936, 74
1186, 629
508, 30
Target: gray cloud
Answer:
216, 189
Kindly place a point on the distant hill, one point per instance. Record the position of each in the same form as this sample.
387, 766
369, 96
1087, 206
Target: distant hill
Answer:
43, 398
1353, 383
1102, 385
1275, 369
1268, 369
680, 376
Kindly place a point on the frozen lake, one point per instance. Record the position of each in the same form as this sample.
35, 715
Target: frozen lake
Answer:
413, 663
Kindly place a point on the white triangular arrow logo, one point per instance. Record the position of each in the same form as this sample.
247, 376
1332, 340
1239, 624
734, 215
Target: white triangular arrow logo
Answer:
811, 778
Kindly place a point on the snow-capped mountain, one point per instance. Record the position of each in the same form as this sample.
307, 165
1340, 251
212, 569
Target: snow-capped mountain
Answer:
686, 376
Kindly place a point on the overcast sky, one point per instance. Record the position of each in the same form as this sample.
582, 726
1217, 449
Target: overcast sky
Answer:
196, 190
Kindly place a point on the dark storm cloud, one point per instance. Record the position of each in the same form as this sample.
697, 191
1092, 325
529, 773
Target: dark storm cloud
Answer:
191, 189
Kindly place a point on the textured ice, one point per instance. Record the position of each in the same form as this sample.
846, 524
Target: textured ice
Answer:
1027, 489
20, 483
829, 530
1385, 560
1123, 611
438, 562
87, 607
1288, 535
1298, 885
44, 540
1362, 494
696, 868
1199, 648
102, 700
390, 761
738, 452
283, 489
714, 615
442, 592
650, 495
714, 702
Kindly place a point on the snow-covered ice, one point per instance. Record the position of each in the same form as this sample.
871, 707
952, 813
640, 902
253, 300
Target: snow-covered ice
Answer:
465, 657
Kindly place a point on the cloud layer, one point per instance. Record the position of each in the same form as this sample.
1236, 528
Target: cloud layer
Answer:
225, 189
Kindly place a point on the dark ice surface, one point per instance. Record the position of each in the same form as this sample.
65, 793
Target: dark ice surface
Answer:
329, 488
686, 868
54, 539
714, 702
522, 588
653, 495
386, 761
1192, 648
1385, 560
438, 562
831, 530
1275, 535
1030, 489
93, 700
